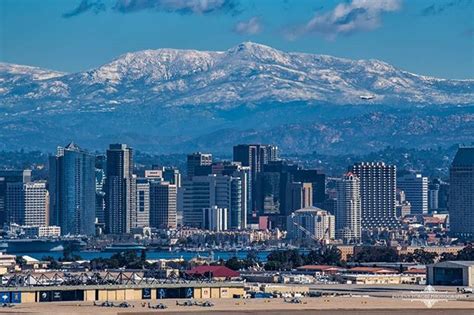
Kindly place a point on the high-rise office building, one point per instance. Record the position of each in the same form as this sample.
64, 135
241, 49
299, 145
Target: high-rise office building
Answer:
348, 209
196, 159
433, 196
72, 188
318, 181
235, 170
163, 205
415, 187
36, 212
120, 201
8, 177
142, 207
301, 196
461, 193
28, 203
311, 224
214, 219
378, 184
208, 191
402, 206
254, 156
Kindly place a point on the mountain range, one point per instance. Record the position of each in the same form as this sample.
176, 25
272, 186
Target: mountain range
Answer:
170, 100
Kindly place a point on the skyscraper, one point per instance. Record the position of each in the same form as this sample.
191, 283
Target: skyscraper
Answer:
36, 212
348, 209
163, 203
254, 156
318, 181
415, 187
28, 203
196, 159
378, 184
120, 190
208, 191
72, 190
461, 193
143, 204
8, 177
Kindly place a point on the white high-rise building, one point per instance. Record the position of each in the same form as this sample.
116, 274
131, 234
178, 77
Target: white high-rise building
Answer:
214, 219
415, 187
348, 209
378, 184
28, 204
142, 216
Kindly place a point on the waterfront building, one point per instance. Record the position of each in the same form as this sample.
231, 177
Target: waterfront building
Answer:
10, 177
311, 224
163, 205
142, 207
196, 159
72, 188
120, 190
348, 209
461, 193
378, 185
415, 187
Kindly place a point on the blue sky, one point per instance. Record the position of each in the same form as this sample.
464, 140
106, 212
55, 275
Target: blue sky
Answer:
431, 37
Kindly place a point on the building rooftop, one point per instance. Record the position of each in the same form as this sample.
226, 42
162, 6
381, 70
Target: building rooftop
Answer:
464, 157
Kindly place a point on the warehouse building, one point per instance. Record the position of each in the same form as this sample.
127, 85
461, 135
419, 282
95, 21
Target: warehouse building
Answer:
460, 273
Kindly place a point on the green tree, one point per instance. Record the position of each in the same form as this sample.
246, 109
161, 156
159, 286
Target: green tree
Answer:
234, 263
467, 253
375, 254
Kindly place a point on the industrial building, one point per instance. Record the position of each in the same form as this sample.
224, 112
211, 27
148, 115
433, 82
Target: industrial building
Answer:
460, 273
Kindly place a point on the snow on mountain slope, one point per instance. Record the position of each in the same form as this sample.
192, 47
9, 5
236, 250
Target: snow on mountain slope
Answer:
248, 73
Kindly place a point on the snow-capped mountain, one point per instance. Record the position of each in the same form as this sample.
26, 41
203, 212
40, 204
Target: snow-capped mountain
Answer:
170, 100
246, 74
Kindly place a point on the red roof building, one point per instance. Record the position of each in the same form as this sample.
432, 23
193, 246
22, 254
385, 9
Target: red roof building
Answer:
372, 270
324, 269
215, 272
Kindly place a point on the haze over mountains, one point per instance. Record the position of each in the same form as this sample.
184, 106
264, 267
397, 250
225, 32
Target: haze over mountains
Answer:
170, 100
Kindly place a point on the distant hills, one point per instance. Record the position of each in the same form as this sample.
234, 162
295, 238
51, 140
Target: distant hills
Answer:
169, 100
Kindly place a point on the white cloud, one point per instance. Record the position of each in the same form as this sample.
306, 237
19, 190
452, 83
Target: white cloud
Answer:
347, 18
250, 27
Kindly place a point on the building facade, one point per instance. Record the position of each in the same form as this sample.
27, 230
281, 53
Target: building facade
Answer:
142, 207
415, 187
10, 177
163, 205
348, 209
72, 189
461, 193
120, 190
378, 184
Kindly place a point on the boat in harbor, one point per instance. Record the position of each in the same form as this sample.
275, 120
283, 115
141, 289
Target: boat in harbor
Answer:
124, 247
